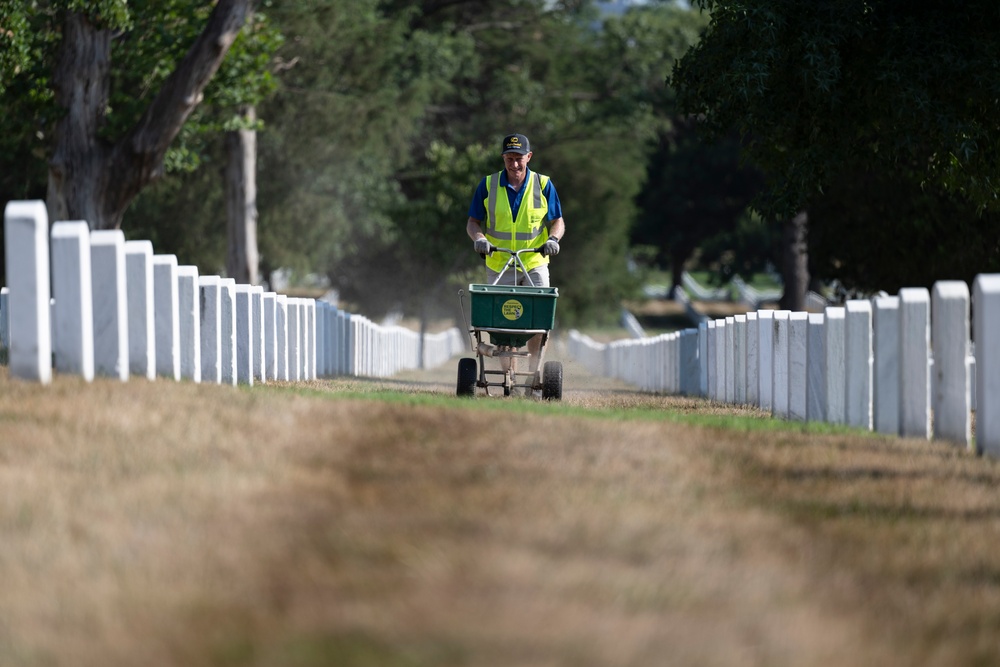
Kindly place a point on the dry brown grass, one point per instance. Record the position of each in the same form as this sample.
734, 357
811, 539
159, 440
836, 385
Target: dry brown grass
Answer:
172, 524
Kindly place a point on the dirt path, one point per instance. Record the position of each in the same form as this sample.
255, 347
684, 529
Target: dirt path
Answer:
172, 524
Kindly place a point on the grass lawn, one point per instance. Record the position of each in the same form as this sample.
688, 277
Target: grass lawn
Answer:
358, 523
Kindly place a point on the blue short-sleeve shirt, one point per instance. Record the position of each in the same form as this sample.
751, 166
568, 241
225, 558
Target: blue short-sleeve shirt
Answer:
477, 209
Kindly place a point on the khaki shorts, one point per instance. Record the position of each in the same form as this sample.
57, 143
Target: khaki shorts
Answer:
539, 276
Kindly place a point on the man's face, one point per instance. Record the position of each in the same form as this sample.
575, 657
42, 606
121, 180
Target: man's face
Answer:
516, 164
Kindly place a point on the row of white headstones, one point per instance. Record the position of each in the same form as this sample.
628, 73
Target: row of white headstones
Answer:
91, 303
903, 365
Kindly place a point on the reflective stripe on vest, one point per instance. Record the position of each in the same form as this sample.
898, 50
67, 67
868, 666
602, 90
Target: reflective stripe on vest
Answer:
511, 236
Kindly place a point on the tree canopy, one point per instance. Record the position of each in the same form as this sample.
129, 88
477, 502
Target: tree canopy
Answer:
383, 126
378, 119
106, 96
878, 85
695, 189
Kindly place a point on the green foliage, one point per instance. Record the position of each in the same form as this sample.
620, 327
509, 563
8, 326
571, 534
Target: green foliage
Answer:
15, 41
907, 236
585, 98
185, 215
696, 191
353, 86
151, 36
29, 36
419, 262
746, 249
696, 188
378, 119
162, 32
910, 88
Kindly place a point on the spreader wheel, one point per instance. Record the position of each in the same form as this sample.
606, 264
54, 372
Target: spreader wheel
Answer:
552, 378
467, 371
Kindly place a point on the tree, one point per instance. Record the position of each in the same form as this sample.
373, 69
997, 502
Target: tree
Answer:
795, 262
836, 95
354, 83
430, 262
696, 191
577, 91
112, 84
241, 201
90, 178
877, 84
912, 235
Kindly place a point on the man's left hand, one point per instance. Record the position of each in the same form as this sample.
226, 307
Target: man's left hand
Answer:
551, 247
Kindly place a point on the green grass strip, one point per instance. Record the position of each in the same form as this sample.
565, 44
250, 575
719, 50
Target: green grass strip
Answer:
642, 412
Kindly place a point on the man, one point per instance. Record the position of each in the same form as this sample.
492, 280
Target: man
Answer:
529, 216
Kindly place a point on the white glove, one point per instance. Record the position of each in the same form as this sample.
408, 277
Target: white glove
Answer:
551, 247
482, 246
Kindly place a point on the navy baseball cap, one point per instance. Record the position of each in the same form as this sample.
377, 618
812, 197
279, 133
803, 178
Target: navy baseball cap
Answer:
515, 143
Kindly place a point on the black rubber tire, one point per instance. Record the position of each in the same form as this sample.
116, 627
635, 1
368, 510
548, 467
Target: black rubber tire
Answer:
468, 370
552, 377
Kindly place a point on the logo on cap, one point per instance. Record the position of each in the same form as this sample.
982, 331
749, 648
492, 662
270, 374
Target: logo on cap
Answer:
515, 143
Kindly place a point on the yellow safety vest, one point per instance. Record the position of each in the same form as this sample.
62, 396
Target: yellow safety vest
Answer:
530, 230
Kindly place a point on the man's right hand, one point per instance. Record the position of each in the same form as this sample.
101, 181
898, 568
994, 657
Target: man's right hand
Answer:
482, 246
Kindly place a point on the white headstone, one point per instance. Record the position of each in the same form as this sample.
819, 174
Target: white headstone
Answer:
886, 374
73, 319
111, 340
712, 357
27, 310
244, 334
834, 363
816, 368
141, 318
950, 383
281, 327
189, 322
259, 353
730, 356
227, 291
986, 305
779, 376
270, 336
690, 367
26, 237
740, 359
347, 347
914, 345
310, 305
168, 333
858, 366
305, 326
798, 341
703, 347
335, 332
321, 339
765, 359
210, 288
753, 359
293, 316
4, 320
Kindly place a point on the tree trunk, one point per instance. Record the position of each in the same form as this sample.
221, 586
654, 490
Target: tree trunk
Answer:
241, 203
92, 180
77, 175
678, 257
795, 262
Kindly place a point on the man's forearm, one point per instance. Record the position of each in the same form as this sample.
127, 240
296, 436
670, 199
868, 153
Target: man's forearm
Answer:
557, 228
474, 229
